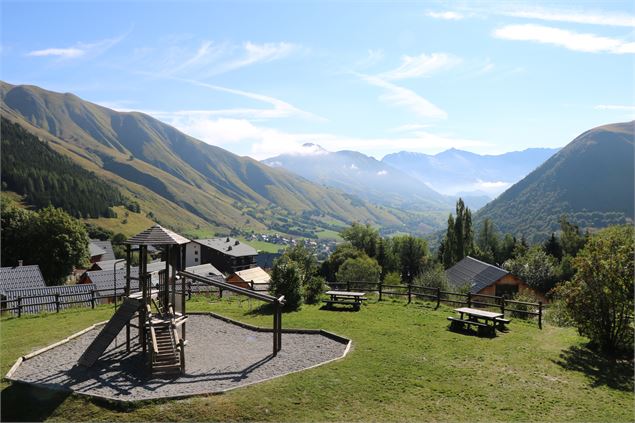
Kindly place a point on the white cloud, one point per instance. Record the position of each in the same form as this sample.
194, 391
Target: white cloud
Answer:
574, 16
448, 15
421, 65
354, 167
618, 107
79, 49
382, 173
404, 97
571, 40
373, 56
257, 53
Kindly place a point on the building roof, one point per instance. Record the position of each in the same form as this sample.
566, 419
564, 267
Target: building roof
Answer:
95, 250
108, 264
229, 246
475, 273
157, 235
204, 270
69, 296
255, 274
106, 246
20, 277
103, 281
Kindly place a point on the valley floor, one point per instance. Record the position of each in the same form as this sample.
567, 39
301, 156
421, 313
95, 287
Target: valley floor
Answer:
404, 365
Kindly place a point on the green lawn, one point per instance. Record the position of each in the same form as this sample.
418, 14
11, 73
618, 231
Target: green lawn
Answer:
266, 247
404, 365
329, 234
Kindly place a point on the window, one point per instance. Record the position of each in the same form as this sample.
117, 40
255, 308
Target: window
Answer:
507, 291
195, 259
196, 252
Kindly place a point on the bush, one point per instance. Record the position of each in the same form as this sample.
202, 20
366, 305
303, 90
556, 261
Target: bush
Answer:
285, 280
524, 297
313, 289
433, 277
362, 269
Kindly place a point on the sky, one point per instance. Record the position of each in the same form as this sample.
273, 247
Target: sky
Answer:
261, 78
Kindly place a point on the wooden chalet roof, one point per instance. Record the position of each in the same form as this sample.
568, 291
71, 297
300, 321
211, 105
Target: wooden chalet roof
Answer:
157, 235
20, 277
228, 246
475, 273
255, 274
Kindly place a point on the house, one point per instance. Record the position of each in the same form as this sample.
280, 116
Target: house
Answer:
209, 272
254, 278
100, 250
227, 254
108, 265
20, 277
486, 279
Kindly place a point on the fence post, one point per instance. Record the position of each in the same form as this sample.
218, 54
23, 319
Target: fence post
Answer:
409, 293
19, 306
540, 314
438, 298
380, 289
189, 290
92, 299
503, 306
57, 302
348, 285
220, 292
469, 299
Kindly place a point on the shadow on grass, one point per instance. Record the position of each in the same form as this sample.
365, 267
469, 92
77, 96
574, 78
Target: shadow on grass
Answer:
23, 403
601, 370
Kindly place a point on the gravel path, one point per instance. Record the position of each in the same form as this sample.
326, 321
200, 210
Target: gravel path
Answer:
219, 356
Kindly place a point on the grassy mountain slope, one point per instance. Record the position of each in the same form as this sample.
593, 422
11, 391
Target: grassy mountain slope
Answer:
184, 182
591, 180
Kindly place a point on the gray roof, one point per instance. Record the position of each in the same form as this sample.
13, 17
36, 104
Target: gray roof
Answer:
265, 260
157, 235
204, 270
103, 281
108, 254
108, 264
95, 250
20, 277
70, 296
229, 246
475, 273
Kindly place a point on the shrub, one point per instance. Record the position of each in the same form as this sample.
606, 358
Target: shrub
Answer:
285, 280
524, 297
433, 277
313, 289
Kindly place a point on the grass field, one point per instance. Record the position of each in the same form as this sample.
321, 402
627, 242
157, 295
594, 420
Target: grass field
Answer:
404, 365
128, 225
328, 234
266, 247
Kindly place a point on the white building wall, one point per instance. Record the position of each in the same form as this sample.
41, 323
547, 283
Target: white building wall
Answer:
192, 254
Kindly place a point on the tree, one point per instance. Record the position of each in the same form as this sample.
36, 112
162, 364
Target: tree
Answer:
342, 253
433, 277
570, 238
459, 238
553, 247
51, 238
600, 296
412, 253
487, 243
361, 269
534, 267
285, 280
386, 257
363, 237
312, 285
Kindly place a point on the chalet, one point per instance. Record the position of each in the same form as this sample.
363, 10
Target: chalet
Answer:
227, 254
100, 250
254, 278
486, 279
209, 272
19, 277
108, 265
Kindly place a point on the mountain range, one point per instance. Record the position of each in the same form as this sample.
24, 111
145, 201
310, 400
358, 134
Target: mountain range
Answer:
591, 180
185, 183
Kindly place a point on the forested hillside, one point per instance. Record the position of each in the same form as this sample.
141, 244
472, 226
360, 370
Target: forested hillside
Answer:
591, 180
44, 177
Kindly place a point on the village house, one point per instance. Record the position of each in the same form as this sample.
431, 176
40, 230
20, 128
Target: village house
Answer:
227, 254
486, 279
254, 278
100, 250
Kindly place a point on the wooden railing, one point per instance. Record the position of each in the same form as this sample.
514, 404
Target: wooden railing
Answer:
454, 298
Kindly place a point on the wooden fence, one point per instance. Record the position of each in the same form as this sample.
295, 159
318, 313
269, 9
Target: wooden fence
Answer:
515, 308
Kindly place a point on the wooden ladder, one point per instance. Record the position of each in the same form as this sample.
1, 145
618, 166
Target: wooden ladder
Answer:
166, 357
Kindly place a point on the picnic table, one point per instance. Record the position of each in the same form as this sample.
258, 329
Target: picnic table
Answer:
345, 298
479, 318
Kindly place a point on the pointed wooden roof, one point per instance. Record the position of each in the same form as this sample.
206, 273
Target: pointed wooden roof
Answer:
157, 235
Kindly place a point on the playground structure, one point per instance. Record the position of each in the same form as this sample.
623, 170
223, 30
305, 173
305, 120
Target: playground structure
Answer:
160, 311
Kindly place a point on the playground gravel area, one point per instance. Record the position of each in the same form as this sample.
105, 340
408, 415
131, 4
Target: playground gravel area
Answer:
219, 356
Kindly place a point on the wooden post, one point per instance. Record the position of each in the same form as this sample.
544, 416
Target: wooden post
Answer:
275, 328
348, 285
126, 292
503, 306
19, 306
220, 292
57, 302
92, 299
409, 293
438, 298
469, 299
182, 353
380, 289
540, 314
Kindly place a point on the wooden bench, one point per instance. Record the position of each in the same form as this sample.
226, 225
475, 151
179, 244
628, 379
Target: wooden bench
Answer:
501, 322
483, 328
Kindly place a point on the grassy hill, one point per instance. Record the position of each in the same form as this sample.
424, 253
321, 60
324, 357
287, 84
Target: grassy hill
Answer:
404, 366
591, 180
185, 183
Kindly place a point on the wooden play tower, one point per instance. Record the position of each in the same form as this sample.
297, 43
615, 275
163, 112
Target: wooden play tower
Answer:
158, 306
